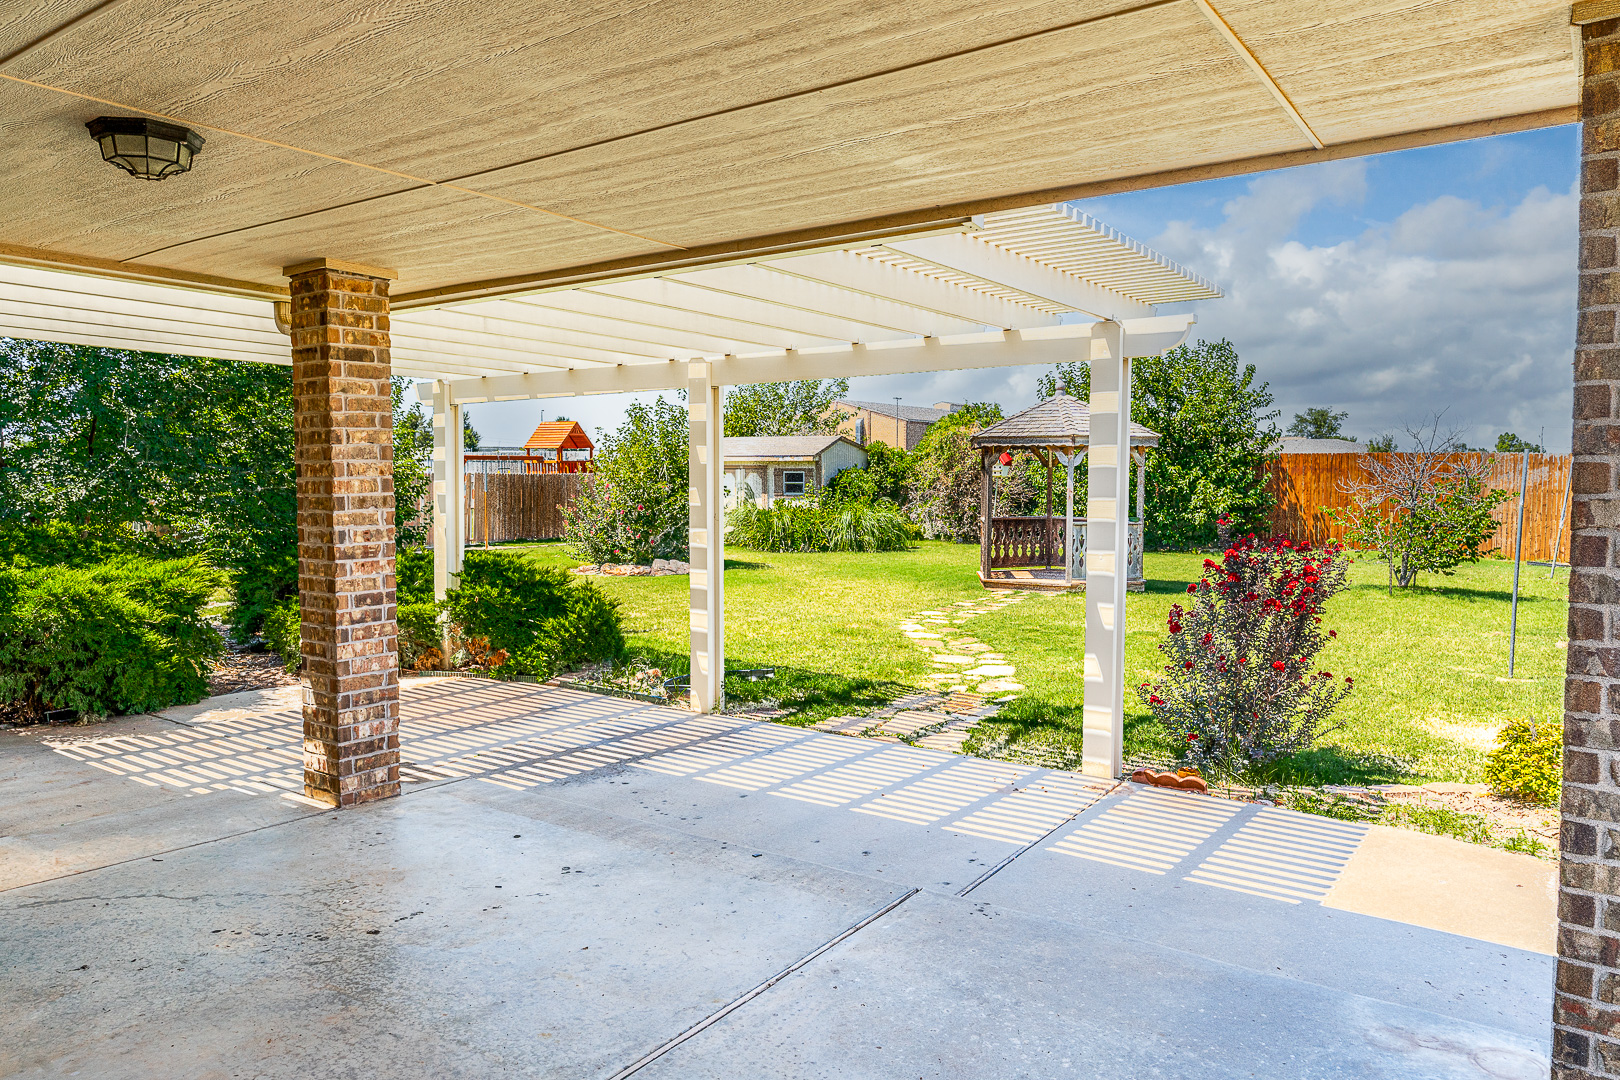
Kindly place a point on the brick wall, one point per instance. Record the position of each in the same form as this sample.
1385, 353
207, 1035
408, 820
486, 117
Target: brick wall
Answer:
1586, 1012
344, 454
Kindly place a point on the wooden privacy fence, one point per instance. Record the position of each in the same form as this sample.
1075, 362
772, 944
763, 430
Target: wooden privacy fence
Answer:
1306, 483
518, 506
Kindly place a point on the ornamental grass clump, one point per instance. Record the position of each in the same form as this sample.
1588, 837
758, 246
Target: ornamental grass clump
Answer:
1241, 687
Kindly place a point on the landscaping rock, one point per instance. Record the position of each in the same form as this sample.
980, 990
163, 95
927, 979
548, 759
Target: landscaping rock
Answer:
993, 669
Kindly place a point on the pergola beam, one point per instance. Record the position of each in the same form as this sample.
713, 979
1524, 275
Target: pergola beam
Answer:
1010, 348
966, 255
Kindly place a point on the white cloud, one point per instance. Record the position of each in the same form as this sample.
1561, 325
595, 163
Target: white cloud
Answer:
1451, 306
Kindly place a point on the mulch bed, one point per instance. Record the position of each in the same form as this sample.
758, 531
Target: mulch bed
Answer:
238, 671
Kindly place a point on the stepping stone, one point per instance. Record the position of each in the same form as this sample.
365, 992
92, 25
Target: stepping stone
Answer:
934, 613
993, 669
949, 658
972, 646
922, 634
948, 741
906, 723
999, 686
963, 702
845, 725
991, 656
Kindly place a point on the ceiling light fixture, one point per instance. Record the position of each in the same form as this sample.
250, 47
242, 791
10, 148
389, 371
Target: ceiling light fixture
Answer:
146, 149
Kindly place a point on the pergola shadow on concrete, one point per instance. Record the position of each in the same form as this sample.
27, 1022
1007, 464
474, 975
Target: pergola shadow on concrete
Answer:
369, 177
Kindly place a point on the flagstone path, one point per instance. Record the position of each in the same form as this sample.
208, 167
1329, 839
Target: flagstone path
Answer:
971, 683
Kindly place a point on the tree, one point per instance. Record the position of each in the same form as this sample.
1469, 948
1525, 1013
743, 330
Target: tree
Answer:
887, 475
784, 408
469, 434
413, 468
1215, 437
635, 507
1319, 423
1381, 444
1427, 510
1509, 443
943, 490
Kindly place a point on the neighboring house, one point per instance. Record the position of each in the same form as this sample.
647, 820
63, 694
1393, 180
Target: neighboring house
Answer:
902, 426
1293, 444
557, 446
786, 466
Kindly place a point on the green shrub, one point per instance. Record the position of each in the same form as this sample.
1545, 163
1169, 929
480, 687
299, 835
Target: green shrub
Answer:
125, 635
418, 633
1527, 762
413, 575
260, 584
283, 632
543, 621
818, 525
57, 543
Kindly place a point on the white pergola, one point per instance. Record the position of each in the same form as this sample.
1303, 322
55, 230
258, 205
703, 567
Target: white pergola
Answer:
1040, 285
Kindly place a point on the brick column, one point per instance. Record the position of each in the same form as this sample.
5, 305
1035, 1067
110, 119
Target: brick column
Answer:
345, 457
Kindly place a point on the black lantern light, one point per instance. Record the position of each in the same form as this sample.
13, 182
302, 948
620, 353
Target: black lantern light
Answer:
147, 149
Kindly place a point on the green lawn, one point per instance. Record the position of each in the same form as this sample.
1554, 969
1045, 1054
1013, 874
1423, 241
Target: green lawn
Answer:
1430, 663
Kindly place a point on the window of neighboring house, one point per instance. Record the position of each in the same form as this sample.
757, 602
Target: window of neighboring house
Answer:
793, 483
583, 454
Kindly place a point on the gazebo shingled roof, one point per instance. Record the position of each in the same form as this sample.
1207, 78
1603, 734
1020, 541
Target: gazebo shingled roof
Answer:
1058, 421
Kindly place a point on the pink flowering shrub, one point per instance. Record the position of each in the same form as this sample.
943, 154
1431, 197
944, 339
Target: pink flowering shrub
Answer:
1241, 686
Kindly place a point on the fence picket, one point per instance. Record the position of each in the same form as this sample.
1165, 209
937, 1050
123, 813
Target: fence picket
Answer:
1305, 484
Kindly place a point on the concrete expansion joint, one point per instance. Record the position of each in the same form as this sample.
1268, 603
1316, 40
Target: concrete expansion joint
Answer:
744, 998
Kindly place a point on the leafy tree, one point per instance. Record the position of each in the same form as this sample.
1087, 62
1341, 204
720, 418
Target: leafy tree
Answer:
1381, 444
1509, 443
943, 495
1423, 511
887, 475
784, 408
469, 434
635, 508
1319, 423
1215, 434
413, 467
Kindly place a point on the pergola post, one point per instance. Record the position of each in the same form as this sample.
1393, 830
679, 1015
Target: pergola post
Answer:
1586, 1009
706, 538
1107, 546
986, 525
449, 485
343, 449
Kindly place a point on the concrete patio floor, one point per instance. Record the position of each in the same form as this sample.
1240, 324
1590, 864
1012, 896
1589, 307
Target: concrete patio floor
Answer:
579, 886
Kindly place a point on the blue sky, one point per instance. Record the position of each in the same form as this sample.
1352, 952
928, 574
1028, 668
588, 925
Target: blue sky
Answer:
1393, 287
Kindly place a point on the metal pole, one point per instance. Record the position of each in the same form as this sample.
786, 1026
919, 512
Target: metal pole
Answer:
1558, 527
1518, 547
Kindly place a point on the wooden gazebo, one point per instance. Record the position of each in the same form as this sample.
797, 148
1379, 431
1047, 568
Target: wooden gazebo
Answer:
1047, 553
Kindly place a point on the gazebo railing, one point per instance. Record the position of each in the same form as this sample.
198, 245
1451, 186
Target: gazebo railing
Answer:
1026, 542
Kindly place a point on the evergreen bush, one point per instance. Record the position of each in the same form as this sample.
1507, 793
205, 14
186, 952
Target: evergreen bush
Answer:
120, 636
543, 622
1528, 762
283, 632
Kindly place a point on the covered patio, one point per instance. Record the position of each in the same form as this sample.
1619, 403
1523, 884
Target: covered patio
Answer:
574, 885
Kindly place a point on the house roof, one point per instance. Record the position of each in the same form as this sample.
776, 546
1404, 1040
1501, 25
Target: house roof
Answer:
558, 433
1057, 421
1294, 444
907, 412
779, 447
